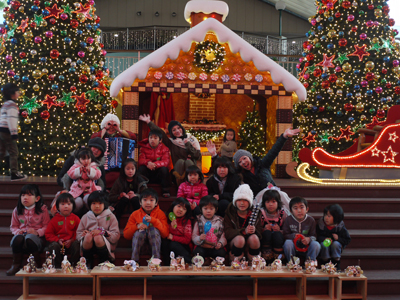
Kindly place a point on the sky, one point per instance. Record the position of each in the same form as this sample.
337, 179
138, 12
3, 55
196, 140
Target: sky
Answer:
393, 4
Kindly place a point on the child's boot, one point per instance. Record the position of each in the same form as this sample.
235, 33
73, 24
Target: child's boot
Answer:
267, 254
16, 265
232, 257
88, 255
252, 253
102, 252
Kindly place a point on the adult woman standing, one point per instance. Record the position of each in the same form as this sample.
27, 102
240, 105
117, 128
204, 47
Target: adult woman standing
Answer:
184, 147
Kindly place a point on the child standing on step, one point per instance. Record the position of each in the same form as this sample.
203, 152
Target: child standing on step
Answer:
148, 223
299, 231
193, 189
84, 172
126, 190
229, 146
208, 232
180, 231
332, 234
272, 217
28, 225
98, 231
61, 231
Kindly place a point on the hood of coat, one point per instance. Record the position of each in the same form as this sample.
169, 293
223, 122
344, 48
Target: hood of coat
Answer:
107, 212
92, 164
321, 224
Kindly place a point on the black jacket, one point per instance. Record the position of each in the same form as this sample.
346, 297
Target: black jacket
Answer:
323, 232
232, 183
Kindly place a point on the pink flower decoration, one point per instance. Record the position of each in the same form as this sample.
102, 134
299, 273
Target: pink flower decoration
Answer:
214, 77
203, 76
181, 76
236, 77
158, 75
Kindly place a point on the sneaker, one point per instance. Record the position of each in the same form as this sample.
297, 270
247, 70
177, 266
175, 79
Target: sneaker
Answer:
18, 176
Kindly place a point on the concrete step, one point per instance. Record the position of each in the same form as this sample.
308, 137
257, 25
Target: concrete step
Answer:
367, 220
379, 238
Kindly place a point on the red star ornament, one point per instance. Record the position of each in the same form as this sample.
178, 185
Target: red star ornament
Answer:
24, 24
310, 138
54, 12
374, 123
346, 133
327, 62
102, 88
360, 52
81, 102
50, 101
85, 10
301, 75
389, 155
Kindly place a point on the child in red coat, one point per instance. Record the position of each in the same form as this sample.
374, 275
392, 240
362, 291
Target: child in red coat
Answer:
61, 231
193, 189
154, 160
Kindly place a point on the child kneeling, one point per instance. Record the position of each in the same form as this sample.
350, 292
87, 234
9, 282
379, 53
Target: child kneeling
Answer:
208, 232
147, 223
239, 233
98, 230
61, 231
299, 231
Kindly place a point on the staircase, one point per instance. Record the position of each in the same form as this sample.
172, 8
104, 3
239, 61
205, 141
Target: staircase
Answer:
372, 215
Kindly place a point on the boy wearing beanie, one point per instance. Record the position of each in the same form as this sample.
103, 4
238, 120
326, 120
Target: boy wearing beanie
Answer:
242, 237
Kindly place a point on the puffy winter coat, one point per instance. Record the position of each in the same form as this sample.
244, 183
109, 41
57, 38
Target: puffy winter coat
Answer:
159, 155
192, 192
29, 219
61, 227
84, 180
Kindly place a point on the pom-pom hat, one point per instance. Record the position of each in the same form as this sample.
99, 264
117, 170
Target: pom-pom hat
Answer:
243, 192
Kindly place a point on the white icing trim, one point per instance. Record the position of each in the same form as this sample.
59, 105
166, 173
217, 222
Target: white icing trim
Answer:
206, 7
197, 34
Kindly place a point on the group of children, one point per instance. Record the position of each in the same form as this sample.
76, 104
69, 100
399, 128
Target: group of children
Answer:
271, 234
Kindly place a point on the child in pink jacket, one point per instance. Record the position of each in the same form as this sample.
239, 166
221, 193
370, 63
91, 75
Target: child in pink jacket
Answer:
193, 189
84, 172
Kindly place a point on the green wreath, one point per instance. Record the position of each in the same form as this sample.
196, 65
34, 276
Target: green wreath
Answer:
209, 56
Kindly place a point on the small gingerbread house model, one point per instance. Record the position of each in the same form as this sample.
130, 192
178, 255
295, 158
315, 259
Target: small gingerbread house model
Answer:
209, 72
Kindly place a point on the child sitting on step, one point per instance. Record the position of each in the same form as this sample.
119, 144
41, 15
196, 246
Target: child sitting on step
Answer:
148, 223
332, 235
28, 225
98, 231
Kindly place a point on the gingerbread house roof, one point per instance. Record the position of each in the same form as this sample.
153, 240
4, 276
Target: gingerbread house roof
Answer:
197, 34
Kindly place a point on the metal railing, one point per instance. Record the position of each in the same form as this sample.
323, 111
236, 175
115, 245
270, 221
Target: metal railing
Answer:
152, 38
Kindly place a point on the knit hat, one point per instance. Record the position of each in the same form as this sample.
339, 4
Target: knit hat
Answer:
238, 155
174, 123
98, 143
243, 192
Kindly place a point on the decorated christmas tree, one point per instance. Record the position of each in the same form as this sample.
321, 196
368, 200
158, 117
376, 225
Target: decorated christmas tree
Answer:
251, 133
52, 51
350, 67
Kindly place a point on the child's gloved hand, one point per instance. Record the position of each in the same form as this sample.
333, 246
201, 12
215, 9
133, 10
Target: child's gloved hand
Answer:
335, 236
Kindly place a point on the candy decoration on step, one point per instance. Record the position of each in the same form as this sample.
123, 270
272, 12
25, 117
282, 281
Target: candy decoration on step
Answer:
353, 271
198, 262
48, 266
177, 264
217, 264
298, 243
66, 266
311, 265
172, 217
294, 264
154, 264
329, 268
277, 264
258, 263
207, 227
31, 266
107, 266
239, 265
81, 266
130, 265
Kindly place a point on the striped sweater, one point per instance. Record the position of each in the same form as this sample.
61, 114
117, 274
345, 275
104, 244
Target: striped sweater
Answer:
9, 118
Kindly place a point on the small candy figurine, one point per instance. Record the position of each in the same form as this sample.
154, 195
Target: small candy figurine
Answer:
258, 263
277, 264
81, 266
66, 266
130, 265
353, 271
198, 262
310, 265
177, 264
329, 268
31, 266
294, 264
154, 264
106, 266
218, 264
48, 265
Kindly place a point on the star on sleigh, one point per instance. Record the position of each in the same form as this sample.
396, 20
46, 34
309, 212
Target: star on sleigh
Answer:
374, 158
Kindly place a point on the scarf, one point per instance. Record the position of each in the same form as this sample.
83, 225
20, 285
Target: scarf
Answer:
179, 142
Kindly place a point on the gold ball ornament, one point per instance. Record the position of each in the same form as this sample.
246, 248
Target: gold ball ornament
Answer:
346, 67
27, 121
81, 17
37, 74
94, 127
302, 118
359, 107
378, 13
318, 121
370, 65
302, 135
340, 82
45, 72
325, 120
35, 110
60, 162
43, 23
363, 117
396, 70
295, 98
385, 107
375, 40
332, 33
19, 129
36, 87
43, 158
327, 14
98, 106
21, 9
28, 35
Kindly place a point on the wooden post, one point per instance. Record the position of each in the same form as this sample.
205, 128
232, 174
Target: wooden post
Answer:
98, 287
25, 288
145, 288
255, 288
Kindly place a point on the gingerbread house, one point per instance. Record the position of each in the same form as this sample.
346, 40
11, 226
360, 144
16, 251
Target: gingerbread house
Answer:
211, 73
